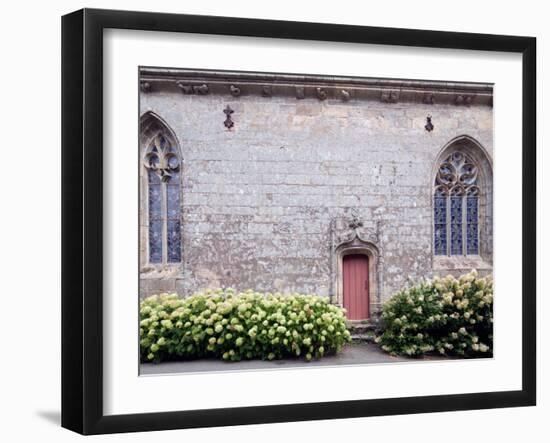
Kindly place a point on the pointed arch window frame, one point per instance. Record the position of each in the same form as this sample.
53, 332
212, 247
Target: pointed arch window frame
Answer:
162, 163
456, 206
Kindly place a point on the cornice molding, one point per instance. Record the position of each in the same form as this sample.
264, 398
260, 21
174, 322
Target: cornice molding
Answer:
319, 87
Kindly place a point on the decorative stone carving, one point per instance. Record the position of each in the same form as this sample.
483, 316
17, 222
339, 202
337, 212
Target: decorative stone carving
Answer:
235, 90
321, 93
145, 86
347, 229
228, 123
345, 95
389, 96
193, 89
429, 98
186, 89
464, 99
300, 92
429, 125
266, 91
201, 89
355, 223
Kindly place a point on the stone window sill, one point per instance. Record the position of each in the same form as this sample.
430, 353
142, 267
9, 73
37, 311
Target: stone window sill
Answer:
466, 263
160, 270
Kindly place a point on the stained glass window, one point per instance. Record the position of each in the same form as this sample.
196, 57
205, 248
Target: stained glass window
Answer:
456, 225
472, 222
456, 207
155, 218
164, 214
173, 219
440, 222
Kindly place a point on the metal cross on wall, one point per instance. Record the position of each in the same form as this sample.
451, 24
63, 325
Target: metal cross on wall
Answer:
228, 122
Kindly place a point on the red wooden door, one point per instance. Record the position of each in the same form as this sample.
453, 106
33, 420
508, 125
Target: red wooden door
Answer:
356, 286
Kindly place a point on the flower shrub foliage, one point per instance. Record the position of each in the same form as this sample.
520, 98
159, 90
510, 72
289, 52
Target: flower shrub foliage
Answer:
247, 325
448, 315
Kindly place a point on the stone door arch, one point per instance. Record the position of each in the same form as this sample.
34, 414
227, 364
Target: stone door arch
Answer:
352, 238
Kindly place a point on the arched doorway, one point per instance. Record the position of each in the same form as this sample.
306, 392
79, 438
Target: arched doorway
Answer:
355, 259
355, 281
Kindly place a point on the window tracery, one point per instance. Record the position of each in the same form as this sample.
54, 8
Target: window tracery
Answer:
456, 206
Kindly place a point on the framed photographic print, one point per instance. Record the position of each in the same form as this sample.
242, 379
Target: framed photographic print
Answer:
271, 221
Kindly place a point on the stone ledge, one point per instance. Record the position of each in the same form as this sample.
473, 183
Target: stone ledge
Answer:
266, 85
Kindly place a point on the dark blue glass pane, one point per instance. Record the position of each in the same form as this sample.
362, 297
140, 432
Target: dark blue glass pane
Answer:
172, 177
154, 201
155, 241
173, 202
163, 143
153, 177
155, 218
456, 225
471, 209
173, 162
173, 211
472, 234
440, 225
174, 241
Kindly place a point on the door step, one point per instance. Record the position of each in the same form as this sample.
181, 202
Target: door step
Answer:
360, 327
363, 338
363, 330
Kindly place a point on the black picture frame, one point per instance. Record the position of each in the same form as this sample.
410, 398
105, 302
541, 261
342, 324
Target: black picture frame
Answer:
82, 218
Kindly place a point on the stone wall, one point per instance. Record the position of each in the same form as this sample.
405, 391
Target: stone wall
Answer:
258, 199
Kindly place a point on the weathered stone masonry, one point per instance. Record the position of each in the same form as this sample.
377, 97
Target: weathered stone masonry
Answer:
272, 192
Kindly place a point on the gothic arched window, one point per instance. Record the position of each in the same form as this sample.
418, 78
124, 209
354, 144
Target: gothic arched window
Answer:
456, 206
162, 164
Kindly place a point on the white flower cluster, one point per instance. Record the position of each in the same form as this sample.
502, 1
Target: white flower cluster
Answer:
234, 326
448, 315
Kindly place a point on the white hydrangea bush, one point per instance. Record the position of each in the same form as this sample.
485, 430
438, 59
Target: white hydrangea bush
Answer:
452, 316
236, 326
